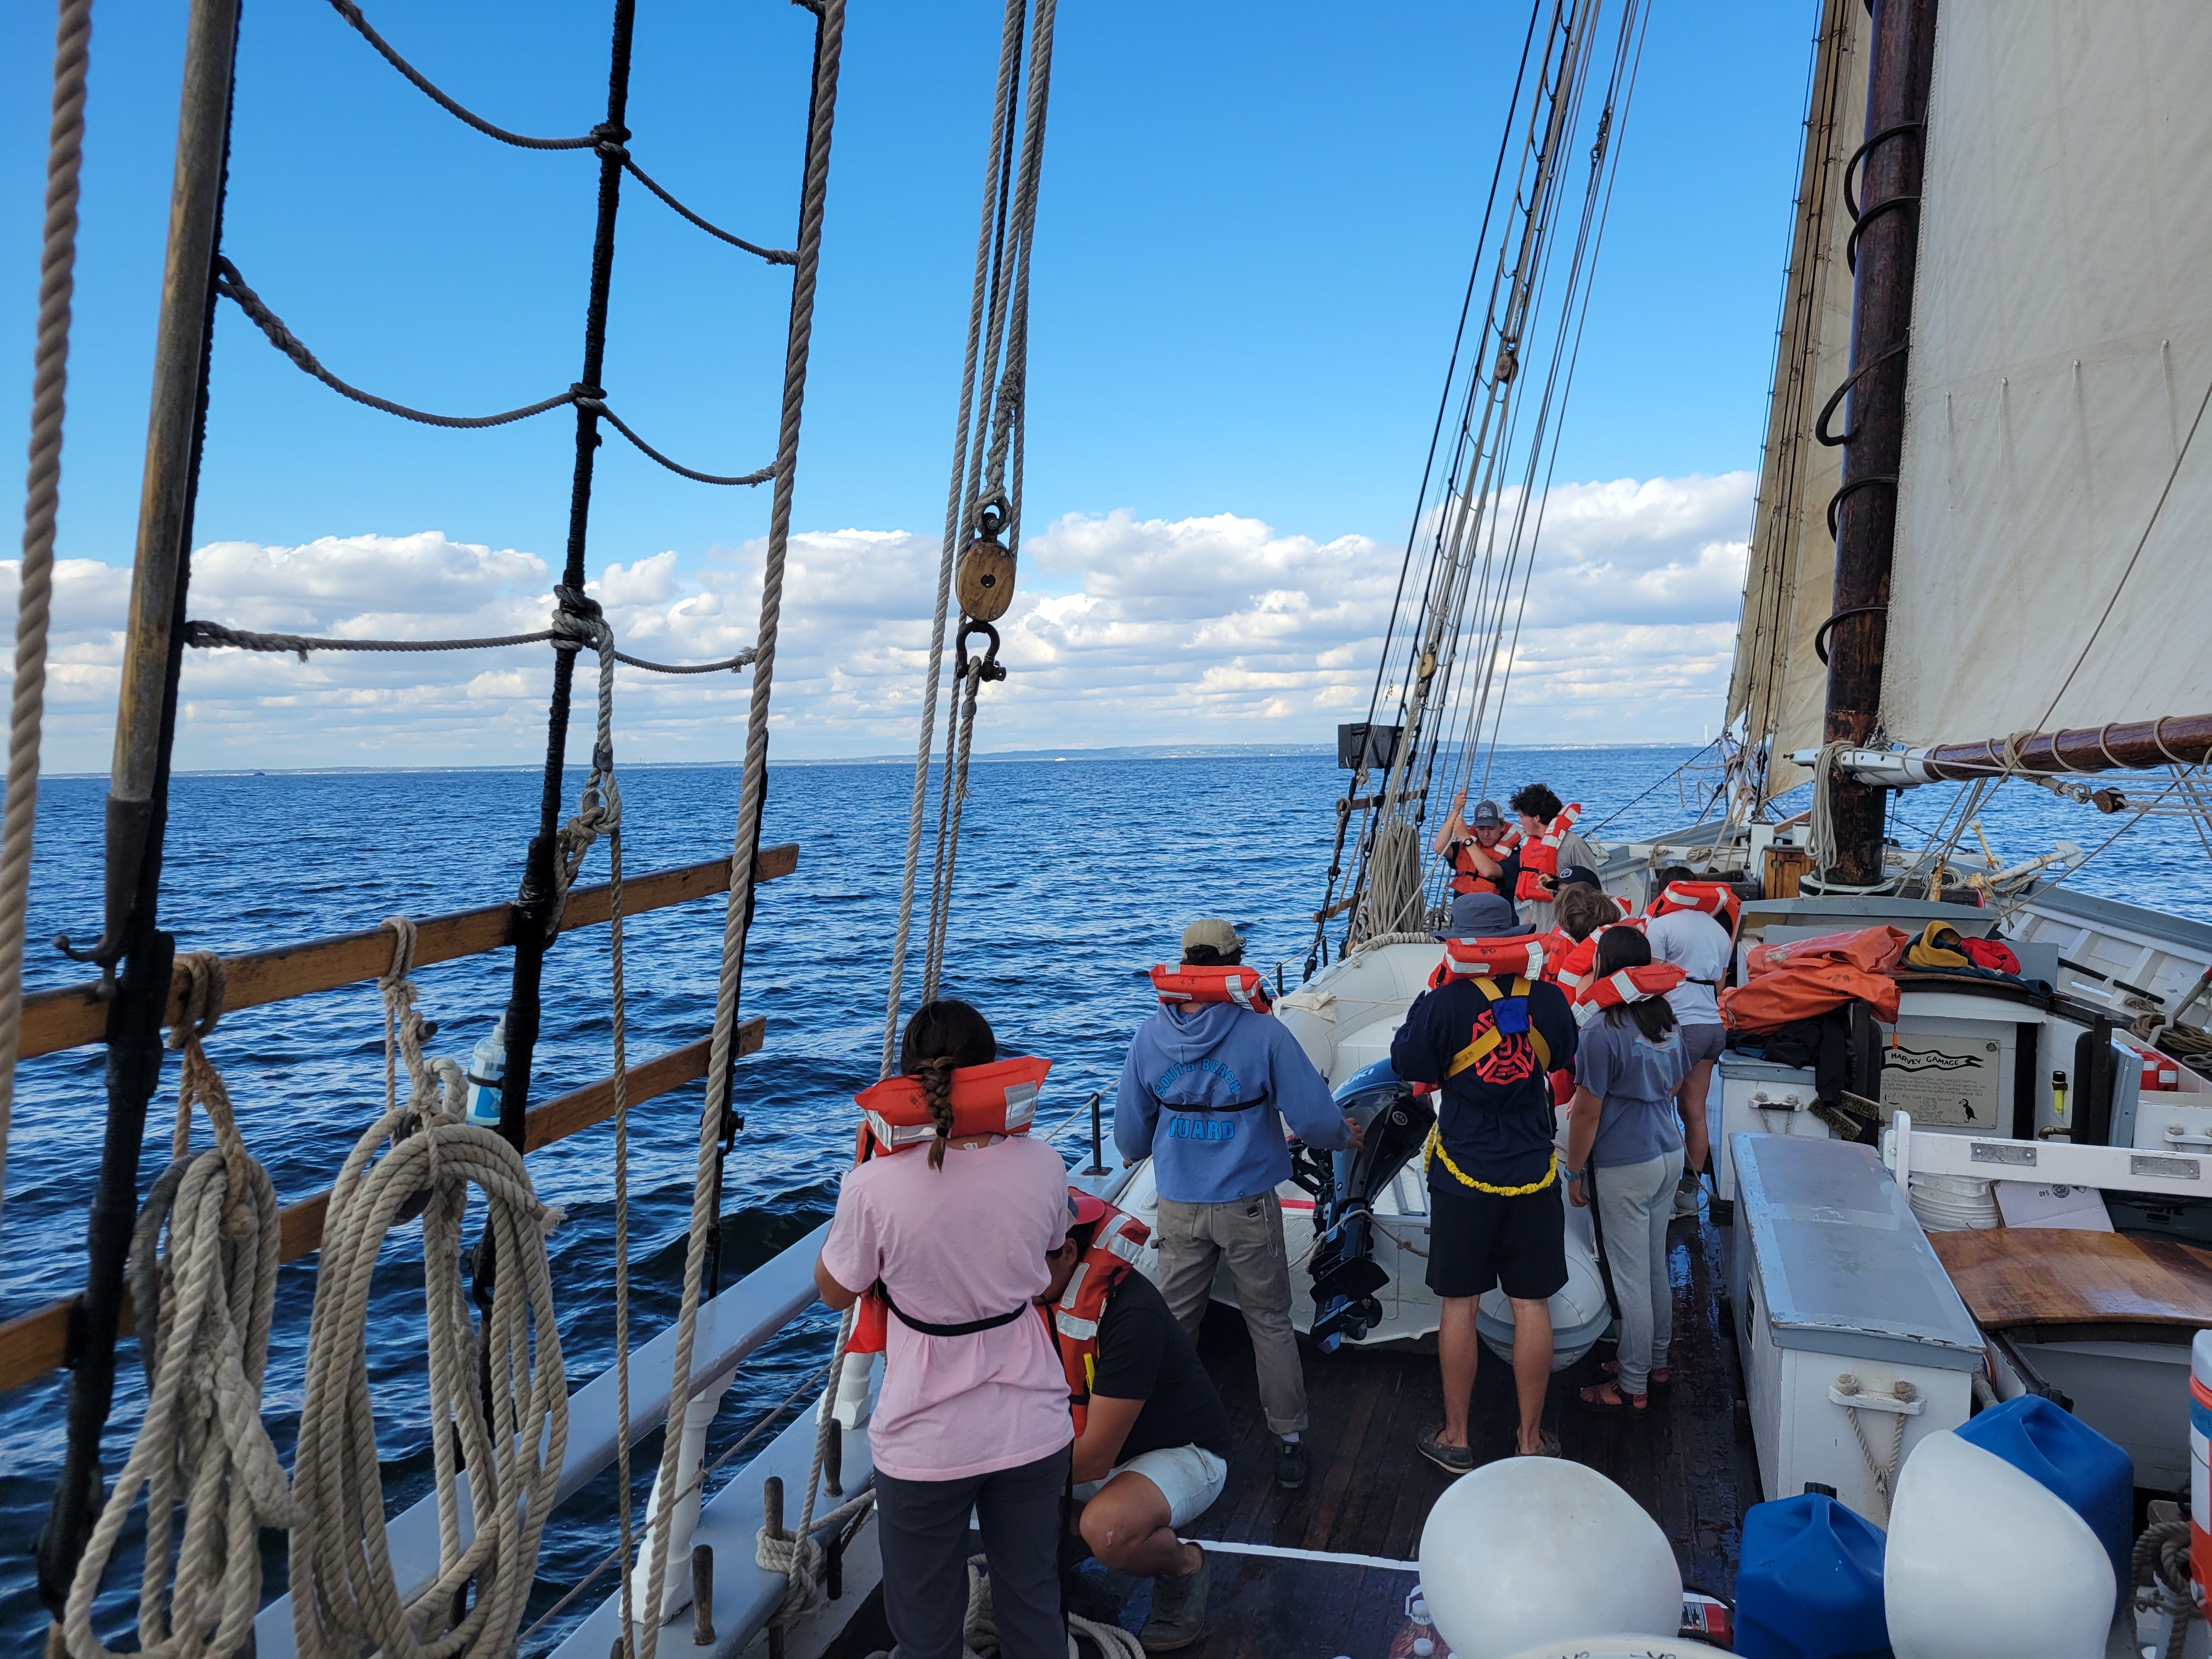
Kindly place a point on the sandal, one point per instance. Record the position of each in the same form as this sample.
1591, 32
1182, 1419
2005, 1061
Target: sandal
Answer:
1621, 1405
1452, 1460
1661, 1377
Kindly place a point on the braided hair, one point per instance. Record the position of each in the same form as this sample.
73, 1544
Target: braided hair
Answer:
941, 1037
1624, 947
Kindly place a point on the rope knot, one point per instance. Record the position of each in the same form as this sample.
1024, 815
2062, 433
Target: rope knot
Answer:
608, 139
579, 621
204, 980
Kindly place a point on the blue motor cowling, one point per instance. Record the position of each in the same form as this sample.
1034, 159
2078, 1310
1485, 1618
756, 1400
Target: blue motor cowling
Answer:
1393, 1124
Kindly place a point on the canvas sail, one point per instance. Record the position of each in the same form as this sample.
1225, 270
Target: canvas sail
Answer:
1779, 687
2054, 522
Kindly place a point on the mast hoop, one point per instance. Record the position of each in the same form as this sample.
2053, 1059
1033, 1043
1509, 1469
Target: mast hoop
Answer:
1850, 197
1858, 227
1829, 439
1820, 634
1836, 500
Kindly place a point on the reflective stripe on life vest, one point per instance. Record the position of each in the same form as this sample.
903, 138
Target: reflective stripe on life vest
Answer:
1520, 954
1715, 898
1247, 988
1628, 985
1113, 1254
1540, 857
997, 1099
1572, 969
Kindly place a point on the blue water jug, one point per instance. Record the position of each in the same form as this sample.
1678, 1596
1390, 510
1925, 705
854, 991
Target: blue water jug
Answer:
2094, 1476
1809, 1584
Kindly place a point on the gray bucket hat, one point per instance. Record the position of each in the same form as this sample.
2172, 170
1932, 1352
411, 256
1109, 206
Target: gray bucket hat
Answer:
1483, 915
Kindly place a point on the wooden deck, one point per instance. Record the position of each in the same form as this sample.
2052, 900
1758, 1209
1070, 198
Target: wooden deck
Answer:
1370, 1490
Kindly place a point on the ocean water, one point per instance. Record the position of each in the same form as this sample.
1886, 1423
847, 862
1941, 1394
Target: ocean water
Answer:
1075, 875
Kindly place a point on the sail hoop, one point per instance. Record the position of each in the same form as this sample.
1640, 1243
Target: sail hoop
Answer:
1895, 130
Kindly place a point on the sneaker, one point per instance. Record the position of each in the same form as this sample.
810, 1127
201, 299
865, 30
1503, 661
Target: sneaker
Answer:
1178, 1611
1685, 1196
1290, 1464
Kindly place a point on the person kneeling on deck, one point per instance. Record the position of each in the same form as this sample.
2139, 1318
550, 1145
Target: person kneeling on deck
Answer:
1208, 1084
1150, 1432
1487, 1046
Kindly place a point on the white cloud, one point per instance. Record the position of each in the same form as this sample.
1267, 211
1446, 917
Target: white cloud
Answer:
1220, 629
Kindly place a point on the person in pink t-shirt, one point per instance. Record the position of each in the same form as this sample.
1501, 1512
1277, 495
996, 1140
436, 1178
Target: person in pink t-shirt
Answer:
973, 1413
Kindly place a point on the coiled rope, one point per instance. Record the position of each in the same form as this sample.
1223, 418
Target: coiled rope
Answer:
736, 921
205, 1307
979, 1634
343, 1590
2160, 1576
42, 503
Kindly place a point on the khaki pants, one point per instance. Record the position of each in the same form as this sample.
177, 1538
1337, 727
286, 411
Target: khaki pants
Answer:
1193, 1238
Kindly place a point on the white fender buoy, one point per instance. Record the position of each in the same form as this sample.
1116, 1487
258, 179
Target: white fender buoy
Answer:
1983, 1559
1532, 1550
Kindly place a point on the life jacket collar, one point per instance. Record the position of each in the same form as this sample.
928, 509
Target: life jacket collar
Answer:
1626, 984
1182, 985
997, 1099
1715, 898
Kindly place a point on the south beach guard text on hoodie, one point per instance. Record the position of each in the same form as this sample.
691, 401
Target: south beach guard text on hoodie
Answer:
1205, 1093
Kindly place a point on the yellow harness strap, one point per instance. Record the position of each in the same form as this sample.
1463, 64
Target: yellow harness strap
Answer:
1468, 1056
1490, 1039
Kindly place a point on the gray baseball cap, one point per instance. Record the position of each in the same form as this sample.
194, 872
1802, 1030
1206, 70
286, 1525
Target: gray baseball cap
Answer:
1486, 816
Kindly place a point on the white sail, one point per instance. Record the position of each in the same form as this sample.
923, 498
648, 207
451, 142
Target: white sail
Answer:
2052, 562
1778, 686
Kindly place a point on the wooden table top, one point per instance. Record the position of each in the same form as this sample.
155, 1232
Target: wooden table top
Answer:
2022, 1276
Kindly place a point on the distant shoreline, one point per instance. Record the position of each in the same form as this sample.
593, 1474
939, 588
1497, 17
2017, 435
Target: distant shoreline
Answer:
1140, 752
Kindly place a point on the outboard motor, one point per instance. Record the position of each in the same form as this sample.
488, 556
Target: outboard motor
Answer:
1394, 1123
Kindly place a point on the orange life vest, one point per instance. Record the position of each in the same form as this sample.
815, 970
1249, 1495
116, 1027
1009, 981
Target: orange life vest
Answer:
1571, 969
1245, 986
1111, 1257
1628, 985
1520, 954
1468, 879
997, 1099
1715, 898
1540, 859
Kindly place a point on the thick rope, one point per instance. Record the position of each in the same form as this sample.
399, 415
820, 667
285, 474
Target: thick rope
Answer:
343, 1590
352, 14
208, 636
42, 503
738, 915
979, 1635
954, 519
233, 287
204, 1309
959, 739
1883, 1469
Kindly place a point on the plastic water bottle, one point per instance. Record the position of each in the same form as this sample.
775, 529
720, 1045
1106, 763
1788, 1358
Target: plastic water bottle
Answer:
487, 1068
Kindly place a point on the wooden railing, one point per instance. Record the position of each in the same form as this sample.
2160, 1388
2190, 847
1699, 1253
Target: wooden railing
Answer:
38, 1342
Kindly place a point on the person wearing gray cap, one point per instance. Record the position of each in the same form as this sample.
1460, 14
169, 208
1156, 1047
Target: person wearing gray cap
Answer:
1204, 1094
1469, 844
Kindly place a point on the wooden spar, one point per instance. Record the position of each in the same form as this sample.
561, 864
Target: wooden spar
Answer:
39, 1342
1887, 239
2131, 746
57, 1019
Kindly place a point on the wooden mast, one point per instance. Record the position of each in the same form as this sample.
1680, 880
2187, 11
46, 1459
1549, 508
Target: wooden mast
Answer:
1885, 241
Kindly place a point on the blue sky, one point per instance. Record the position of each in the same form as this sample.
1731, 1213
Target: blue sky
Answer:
1256, 227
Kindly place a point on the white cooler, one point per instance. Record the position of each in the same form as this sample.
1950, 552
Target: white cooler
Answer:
1756, 1096
1833, 1284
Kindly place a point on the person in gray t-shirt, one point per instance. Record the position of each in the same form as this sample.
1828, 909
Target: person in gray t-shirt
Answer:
1625, 1150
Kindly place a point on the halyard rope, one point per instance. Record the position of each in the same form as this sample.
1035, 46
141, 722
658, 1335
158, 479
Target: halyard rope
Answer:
738, 915
204, 1309
42, 503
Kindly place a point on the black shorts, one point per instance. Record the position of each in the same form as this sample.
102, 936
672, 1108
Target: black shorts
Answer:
1478, 1239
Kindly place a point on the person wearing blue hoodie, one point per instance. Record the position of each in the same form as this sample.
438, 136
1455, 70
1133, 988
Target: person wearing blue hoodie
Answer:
1205, 1093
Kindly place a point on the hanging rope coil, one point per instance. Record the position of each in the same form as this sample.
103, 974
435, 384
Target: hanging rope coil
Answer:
344, 1589
204, 1304
41, 506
